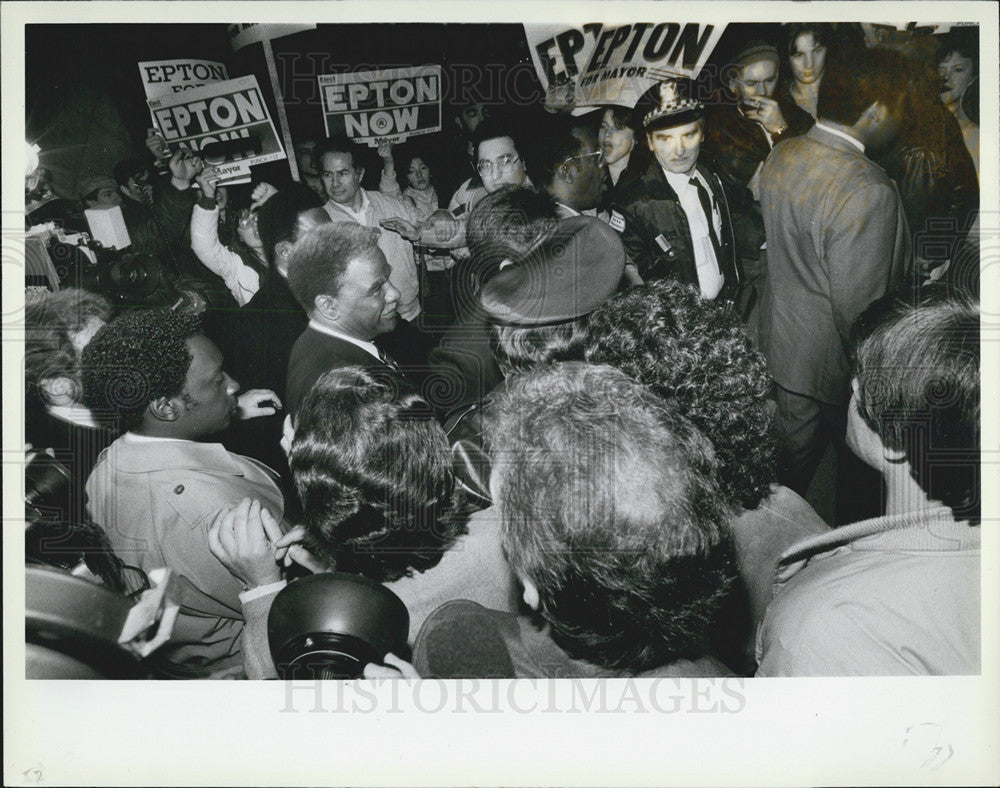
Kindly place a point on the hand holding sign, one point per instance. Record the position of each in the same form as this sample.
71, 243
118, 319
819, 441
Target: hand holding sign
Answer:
157, 146
184, 165
208, 180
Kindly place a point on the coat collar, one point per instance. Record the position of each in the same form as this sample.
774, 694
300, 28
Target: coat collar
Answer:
824, 137
129, 456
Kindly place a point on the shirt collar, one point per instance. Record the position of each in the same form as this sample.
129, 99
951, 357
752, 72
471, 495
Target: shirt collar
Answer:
368, 347
678, 182
74, 414
135, 437
856, 143
365, 202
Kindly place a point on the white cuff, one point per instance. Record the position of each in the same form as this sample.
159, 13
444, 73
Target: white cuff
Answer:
255, 593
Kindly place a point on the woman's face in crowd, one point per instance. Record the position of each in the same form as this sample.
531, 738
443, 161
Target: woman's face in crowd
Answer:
419, 175
956, 73
615, 143
808, 60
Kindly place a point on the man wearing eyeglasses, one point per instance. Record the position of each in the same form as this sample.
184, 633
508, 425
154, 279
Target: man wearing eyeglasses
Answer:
567, 162
674, 219
498, 163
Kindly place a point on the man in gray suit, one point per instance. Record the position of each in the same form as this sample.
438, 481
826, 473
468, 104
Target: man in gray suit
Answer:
836, 241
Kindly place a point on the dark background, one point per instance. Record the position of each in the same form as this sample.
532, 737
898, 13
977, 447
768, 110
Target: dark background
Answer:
86, 108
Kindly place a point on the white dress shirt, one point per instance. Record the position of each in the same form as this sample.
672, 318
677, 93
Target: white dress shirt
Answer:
710, 278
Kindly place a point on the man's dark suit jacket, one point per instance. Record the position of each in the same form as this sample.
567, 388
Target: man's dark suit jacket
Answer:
651, 209
315, 353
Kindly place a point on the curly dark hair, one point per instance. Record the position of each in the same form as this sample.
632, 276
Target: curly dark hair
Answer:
610, 507
277, 218
50, 320
374, 473
136, 359
697, 356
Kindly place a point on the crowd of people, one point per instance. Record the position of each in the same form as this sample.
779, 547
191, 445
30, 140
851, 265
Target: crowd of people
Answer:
684, 389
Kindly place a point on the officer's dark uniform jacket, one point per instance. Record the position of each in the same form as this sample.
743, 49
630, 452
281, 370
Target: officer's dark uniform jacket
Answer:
655, 231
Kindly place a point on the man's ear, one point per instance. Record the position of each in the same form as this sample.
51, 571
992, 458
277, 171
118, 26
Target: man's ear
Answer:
875, 113
566, 173
281, 251
327, 306
165, 409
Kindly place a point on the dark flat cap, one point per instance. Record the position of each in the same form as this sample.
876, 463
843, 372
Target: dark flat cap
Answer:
567, 274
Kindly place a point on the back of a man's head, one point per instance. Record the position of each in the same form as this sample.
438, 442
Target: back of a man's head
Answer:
136, 359
611, 509
559, 138
917, 369
127, 168
851, 85
52, 322
277, 218
319, 259
505, 224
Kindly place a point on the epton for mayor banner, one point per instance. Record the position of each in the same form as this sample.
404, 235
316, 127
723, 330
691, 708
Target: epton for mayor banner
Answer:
390, 105
227, 122
581, 67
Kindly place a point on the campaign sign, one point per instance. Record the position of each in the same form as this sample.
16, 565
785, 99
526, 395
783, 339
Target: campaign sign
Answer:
382, 106
251, 32
162, 77
227, 123
594, 64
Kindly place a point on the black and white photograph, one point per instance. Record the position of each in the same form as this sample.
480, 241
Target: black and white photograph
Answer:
523, 394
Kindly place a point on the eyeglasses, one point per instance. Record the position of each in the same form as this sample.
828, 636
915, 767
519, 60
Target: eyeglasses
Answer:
248, 221
583, 156
502, 163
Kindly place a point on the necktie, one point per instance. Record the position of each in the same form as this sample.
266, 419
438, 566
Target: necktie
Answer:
387, 359
706, 206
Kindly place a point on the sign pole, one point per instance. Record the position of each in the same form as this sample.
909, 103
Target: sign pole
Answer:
286, 134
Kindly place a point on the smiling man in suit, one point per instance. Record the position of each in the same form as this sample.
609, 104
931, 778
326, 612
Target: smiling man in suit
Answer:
341, 277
